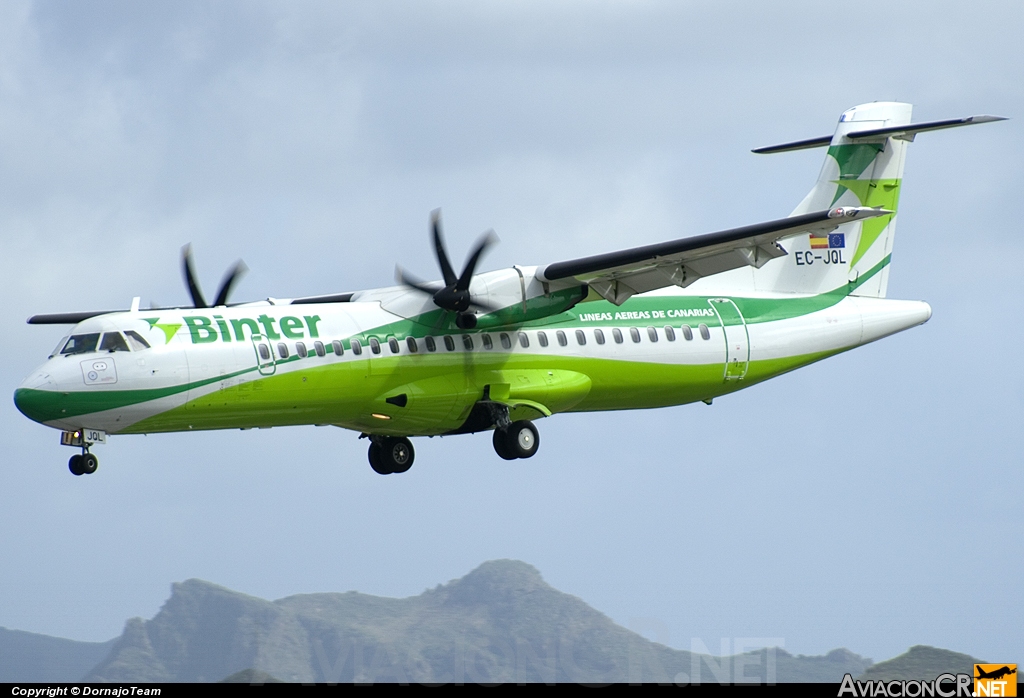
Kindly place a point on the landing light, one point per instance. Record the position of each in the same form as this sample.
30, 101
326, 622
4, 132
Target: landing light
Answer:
377, 415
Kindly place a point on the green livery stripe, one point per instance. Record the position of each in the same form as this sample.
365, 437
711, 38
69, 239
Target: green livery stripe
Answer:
47, 405
438, 401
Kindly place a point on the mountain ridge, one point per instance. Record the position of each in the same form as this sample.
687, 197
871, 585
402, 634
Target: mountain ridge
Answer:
499, 623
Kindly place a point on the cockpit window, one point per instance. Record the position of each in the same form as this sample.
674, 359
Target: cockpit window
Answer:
60, 345
113, 341
81, 343
135, 339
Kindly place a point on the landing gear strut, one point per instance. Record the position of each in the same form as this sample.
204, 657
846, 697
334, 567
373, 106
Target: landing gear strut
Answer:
84, 464
516, 440
390, 454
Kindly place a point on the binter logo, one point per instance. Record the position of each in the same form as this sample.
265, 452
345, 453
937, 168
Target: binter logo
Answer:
995, 680
203, 330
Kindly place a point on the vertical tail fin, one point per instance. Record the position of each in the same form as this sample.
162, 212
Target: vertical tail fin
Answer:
863, 167
863, 170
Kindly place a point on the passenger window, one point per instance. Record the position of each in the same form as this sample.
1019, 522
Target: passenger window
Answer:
506, 343
265, 352
300, 349
562, 341
467, 342
410, 342
617, 335
599, 336
357, 348
652, 333
282, 350
393, 345
113, 341
318, 347
634, 333
488, 344
374, 345
581, 338
524, 341
704, 331
431, 345
449, 343
338, 347
687, 333
670, 334
136, 340
542, 338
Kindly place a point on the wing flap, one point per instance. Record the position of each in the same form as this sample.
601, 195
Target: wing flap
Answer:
618, 275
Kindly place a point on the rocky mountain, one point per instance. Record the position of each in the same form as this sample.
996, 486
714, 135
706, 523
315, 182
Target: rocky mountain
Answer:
28, 657
922, 662
499, 623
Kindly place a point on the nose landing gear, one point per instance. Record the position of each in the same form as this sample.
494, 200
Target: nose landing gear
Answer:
84, 464
390, 454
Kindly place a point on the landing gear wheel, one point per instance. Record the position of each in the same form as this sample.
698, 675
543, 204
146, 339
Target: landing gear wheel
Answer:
522, 439
90, 463
396, 453
501, 447
391, 454
75, 465
375, 462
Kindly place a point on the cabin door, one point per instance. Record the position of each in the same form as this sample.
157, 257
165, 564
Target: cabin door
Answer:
737, 340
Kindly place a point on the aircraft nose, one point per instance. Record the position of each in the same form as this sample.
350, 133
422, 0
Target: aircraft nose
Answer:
35, 395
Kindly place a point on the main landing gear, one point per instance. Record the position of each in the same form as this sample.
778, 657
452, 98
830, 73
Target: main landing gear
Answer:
84, 464
390, 454
516, 440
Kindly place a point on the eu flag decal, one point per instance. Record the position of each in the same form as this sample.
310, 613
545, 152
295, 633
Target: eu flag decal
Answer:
836, 240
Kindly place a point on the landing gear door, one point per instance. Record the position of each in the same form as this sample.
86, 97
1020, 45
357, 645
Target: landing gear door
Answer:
737, 340
264, 355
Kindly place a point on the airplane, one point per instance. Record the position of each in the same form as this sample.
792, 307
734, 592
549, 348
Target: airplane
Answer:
995, 674
664, 324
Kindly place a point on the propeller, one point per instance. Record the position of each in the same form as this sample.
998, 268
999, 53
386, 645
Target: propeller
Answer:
226, 284
454, 296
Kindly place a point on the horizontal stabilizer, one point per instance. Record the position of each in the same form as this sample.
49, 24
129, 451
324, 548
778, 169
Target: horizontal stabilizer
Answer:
905, 132
908, 132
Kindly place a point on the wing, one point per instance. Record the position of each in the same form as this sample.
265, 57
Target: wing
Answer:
618, 275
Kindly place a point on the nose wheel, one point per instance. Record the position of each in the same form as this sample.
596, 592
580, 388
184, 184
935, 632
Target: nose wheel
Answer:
517, 440
390, 454
84, 464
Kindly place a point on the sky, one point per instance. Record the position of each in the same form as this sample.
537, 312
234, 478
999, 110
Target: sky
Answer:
870, 501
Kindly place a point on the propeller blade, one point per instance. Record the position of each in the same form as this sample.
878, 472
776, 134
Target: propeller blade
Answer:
234, 274
412, 282
485, 241
442, 256
190, 278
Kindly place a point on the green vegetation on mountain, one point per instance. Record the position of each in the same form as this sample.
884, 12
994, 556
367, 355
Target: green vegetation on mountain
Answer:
922, 662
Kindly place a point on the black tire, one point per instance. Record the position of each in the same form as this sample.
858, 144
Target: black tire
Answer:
523, 439
375, 460
75, 465
501, 444
90, 463
397, 453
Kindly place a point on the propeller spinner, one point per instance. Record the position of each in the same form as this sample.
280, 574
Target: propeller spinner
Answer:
454, 296
228, 282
